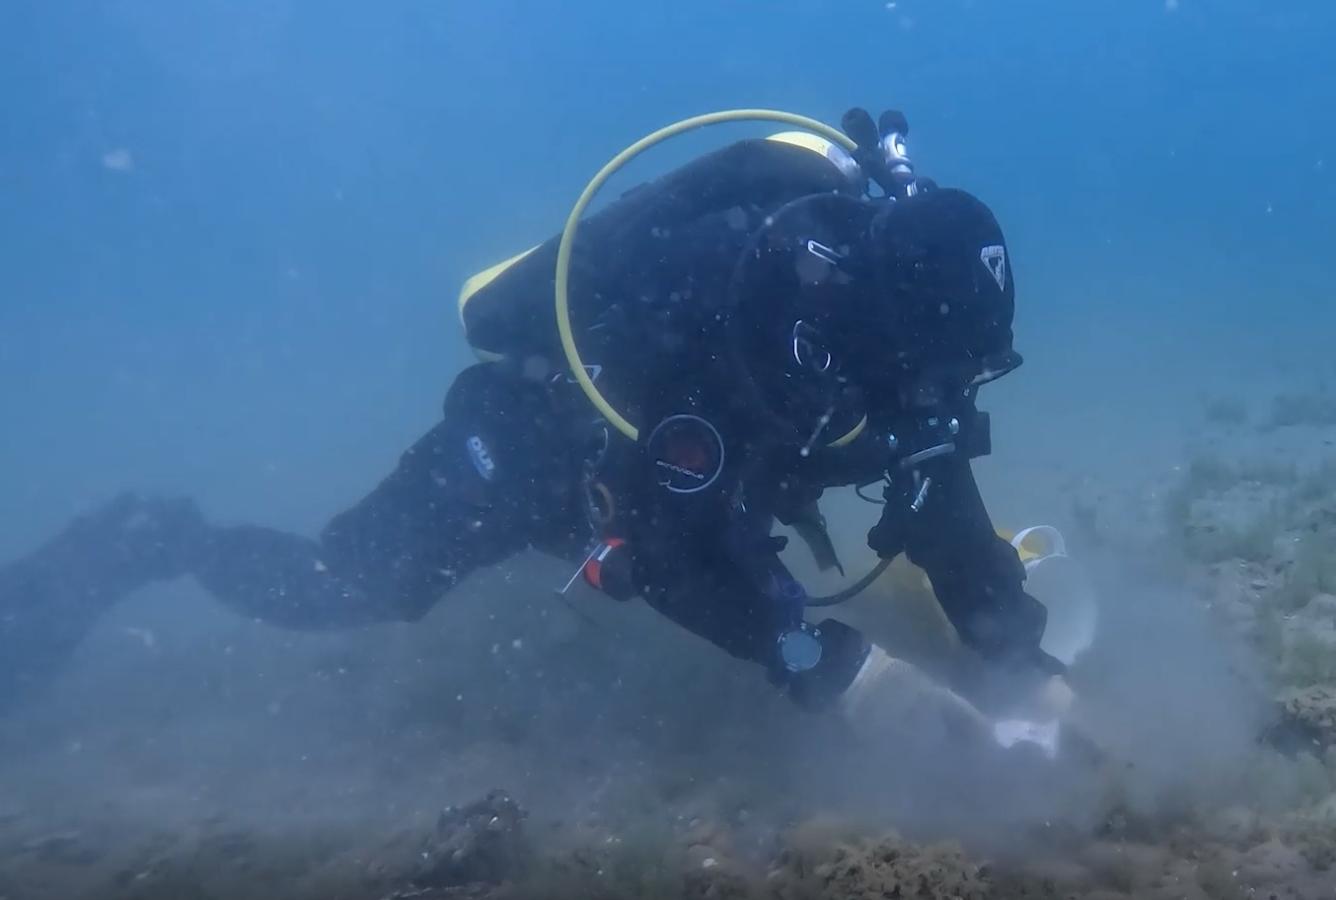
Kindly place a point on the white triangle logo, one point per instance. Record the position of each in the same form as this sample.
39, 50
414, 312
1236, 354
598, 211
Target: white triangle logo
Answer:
994, 257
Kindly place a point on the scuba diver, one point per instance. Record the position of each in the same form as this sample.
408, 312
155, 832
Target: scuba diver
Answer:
779, 317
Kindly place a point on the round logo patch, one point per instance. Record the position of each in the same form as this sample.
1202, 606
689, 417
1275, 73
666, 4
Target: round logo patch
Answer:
686, 452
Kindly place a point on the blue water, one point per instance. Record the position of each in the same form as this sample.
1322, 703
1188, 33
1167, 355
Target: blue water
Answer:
231, 232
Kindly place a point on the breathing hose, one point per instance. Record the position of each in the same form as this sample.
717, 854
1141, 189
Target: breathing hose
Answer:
852, 590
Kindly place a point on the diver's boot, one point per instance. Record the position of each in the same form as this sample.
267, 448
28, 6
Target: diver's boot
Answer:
50, 599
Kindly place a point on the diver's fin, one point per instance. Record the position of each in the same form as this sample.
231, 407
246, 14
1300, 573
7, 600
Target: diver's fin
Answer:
51, 598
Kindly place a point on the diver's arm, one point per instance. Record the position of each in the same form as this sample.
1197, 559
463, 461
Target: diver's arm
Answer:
719, 575
713, 568
977, 576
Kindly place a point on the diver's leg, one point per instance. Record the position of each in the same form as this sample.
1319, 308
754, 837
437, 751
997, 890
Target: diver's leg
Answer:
480, 486
50, 598
387, 558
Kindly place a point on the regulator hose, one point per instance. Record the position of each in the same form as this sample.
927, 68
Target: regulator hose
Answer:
852, 590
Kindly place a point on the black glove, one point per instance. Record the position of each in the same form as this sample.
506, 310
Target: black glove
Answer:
1044, 663
1007, 632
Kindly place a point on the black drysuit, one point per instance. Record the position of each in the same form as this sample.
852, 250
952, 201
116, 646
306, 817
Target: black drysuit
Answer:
521, 458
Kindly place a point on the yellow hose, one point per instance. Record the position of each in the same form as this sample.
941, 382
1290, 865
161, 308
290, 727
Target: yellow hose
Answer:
573, 225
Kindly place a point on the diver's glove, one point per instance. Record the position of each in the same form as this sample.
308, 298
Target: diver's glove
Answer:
1037, 702
1045, 663
1034, 682
1026, 664
1003, 624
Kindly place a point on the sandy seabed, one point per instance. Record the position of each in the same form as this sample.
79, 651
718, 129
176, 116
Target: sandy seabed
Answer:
514, 745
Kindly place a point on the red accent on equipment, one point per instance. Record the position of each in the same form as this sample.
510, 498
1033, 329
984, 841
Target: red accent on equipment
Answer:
593, 570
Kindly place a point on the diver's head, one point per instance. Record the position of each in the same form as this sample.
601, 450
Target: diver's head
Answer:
889, 306
935, 311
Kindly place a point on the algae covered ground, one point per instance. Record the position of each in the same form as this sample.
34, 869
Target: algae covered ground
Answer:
516, 745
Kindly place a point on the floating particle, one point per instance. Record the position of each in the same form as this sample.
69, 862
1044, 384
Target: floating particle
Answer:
143, 635
118, 160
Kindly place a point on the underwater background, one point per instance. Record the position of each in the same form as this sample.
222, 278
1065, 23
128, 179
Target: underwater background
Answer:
232, 233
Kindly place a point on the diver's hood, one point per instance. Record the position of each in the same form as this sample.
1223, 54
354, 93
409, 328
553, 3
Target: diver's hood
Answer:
944, 286
843, 294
